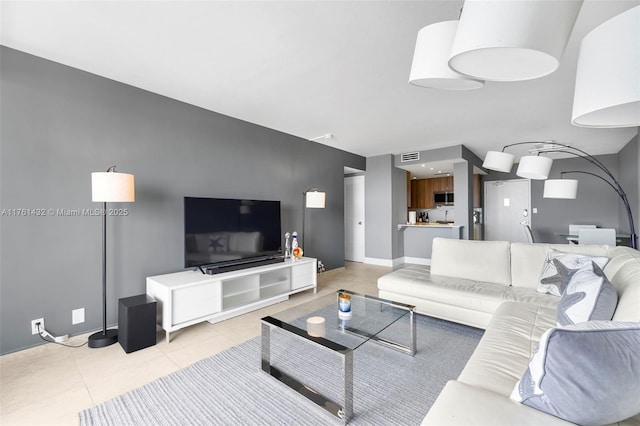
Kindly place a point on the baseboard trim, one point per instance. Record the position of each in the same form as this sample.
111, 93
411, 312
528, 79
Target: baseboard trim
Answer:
417, 260
384, 262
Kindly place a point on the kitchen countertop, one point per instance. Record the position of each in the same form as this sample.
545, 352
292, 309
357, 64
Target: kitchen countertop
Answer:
428, 225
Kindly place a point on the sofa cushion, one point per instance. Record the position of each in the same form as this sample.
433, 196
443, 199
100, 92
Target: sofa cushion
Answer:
479, 296
559, 267
507, 346
569, 374
461, 404
589, 296
527, 295
485, 261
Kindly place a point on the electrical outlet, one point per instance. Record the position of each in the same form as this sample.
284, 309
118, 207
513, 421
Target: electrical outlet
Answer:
77, 316
34, 327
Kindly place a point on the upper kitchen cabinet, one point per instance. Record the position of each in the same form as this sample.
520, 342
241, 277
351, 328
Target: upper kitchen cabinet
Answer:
443, 184
422, 191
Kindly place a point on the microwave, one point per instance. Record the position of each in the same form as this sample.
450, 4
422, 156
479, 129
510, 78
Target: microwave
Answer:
443, 198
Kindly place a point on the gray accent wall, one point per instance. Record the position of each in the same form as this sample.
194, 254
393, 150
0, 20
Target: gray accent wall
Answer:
60, 124
385, 207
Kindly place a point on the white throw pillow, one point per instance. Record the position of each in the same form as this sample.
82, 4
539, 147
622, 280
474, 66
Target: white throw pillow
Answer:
587, 373
554, 277
588, 296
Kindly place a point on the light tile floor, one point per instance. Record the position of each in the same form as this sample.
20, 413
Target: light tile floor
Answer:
50, 384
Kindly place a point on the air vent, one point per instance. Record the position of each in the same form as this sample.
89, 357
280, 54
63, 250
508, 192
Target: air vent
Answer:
409, 156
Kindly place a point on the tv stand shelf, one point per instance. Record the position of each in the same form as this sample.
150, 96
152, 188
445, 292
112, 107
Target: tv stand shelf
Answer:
191, 297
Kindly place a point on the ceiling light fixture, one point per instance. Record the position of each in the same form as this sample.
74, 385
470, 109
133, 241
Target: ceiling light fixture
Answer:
607, 92
512, 40
430, 66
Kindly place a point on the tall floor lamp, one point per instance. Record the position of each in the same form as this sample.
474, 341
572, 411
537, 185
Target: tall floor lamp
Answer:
311, 199
112, 187
538, 167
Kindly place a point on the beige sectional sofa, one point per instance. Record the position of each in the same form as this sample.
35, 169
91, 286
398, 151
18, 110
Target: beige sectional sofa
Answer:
492, 285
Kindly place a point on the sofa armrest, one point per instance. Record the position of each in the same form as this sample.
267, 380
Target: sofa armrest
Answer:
466, 405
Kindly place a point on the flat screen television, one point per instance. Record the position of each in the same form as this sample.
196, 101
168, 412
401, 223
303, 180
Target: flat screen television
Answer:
223, 232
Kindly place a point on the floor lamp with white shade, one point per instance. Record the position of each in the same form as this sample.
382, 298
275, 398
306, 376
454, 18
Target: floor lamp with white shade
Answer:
108, 187
313, 199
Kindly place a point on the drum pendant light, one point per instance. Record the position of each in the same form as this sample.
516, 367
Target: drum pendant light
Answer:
430, 66
608, 77
512, 40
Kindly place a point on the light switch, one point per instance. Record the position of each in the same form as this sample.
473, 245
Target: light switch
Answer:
507, 202
535, 210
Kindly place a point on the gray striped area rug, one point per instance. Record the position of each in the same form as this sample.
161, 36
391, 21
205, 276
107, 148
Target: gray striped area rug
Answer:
230, 388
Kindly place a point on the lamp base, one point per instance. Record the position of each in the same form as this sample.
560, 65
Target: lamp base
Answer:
102, 339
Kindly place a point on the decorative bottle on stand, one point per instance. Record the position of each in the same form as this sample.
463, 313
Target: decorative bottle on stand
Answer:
296, 251
287, 247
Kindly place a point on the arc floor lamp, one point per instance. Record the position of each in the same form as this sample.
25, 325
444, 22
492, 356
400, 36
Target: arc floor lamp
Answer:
538, 167
112, 187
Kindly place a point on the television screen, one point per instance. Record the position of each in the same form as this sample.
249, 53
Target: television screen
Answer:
220, 231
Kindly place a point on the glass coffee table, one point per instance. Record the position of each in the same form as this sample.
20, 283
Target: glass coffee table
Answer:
323, 323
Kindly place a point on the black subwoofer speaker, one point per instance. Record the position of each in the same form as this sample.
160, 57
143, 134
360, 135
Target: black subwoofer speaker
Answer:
137, 322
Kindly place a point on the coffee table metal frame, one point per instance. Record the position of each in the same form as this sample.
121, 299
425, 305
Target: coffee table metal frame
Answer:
344, 411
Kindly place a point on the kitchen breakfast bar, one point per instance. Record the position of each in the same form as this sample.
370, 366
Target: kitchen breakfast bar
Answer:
418, 239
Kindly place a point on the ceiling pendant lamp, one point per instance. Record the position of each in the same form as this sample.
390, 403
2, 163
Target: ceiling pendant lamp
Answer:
607, 92
430, 60
512, 40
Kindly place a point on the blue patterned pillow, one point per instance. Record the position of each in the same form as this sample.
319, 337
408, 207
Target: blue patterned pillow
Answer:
587, 373
558, 265
589, 296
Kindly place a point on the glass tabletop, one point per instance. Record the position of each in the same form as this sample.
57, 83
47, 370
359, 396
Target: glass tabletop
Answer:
322, 320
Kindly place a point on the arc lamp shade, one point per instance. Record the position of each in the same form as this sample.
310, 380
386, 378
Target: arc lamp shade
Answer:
607, 91
499, 161
560, 188
430, 67
112, 187
534, 167
512, 40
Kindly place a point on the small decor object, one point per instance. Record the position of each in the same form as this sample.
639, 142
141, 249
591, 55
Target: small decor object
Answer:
344, 304
316, 327
287, 247
412, 218
321, 267
297, 253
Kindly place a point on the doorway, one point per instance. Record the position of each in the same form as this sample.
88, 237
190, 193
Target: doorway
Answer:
507, 210
354, 218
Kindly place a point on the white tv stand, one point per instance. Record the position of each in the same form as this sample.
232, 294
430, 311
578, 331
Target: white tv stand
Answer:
190, 297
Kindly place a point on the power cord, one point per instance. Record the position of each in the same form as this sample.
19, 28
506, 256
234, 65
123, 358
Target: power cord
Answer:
57, 343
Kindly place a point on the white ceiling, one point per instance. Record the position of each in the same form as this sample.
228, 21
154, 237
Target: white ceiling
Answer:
309, 68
